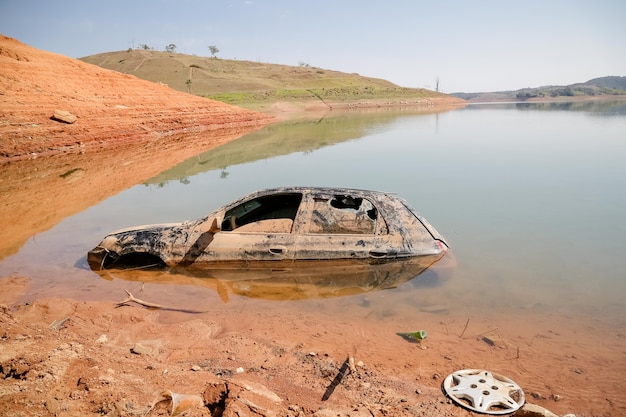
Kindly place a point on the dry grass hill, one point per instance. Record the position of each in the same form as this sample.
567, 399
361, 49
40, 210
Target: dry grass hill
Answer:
245, 82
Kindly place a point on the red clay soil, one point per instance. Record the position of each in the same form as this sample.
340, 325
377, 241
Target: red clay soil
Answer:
112, 108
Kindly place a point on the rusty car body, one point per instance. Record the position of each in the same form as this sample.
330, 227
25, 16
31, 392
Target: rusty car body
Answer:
279, 227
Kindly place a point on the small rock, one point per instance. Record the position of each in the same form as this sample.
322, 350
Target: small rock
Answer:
140, 349
106, 380
260, 391
64, 116
76, 395
311, 353
556, 397
537, 396
239, 370
102, 339
53, 406
196, 368
533, 410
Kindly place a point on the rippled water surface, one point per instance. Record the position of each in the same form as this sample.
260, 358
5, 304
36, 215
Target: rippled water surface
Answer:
531, 197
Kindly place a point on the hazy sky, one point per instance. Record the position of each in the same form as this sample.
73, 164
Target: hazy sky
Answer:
470, 45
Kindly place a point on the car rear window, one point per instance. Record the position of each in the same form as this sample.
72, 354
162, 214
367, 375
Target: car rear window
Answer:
343, 214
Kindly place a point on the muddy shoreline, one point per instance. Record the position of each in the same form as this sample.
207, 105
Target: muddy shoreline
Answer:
62, 356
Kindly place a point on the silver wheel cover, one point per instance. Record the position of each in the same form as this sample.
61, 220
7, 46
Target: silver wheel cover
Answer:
483, 391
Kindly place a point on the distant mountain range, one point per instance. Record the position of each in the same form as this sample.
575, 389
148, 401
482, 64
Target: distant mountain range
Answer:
604, 86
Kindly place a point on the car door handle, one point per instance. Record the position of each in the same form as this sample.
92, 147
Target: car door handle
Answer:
383, 254
277, 250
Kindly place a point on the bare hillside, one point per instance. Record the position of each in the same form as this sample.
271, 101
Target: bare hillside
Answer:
111, 108
261, 86
206, 76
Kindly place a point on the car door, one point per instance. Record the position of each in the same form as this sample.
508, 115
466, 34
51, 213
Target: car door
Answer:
260, 229
339, 226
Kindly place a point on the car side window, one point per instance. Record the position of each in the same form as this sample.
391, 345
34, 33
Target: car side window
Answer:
267, 214
343, 214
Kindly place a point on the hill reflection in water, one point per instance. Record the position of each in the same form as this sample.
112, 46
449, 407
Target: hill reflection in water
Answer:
288, 137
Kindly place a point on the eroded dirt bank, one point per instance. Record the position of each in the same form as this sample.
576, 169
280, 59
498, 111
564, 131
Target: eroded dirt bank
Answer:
111, 108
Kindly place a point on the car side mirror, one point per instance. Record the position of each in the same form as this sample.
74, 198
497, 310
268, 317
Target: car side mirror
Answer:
210, 226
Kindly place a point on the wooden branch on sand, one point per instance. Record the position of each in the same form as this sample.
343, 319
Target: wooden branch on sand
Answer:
345, 368
132, 298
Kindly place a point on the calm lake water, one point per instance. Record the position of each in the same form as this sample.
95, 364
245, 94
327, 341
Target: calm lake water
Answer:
531, 197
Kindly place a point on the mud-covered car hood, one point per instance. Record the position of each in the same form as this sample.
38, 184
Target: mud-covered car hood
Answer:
138, 239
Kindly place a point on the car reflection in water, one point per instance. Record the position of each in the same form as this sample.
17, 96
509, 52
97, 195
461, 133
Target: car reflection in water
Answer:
299, 280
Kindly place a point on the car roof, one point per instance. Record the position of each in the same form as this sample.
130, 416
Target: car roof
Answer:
331, 190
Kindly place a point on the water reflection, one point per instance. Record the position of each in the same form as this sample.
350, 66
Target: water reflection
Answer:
593, 107
286, 138
600, 107
292, 280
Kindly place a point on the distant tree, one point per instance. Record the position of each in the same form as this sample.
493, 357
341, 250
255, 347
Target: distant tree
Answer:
304, 64
525, 95
213, 49
188, 82
170, 48
144, 46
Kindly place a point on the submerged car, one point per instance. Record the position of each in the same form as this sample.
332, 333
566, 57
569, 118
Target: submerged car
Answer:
277, 226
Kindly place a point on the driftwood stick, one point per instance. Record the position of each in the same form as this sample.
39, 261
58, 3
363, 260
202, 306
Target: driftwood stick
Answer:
342, 372
132, 298
58, 325
489, 331
462, 333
